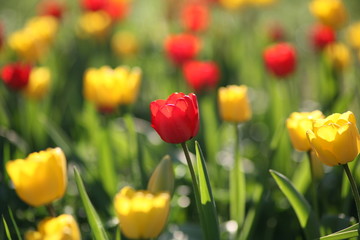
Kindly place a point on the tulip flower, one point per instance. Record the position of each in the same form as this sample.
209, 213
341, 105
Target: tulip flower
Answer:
335, 138
201, 75
233, 4
16, 75
322, 36
40, 178
93, 5
195, 17
181, 48
94, 24
51, 8
280, 59
61, 227
297, 124
125, 44
234, 104
338, 55
39, 81
329, 12
107, 88
117, 9
353, 35
141, 214
33, 41
175, 119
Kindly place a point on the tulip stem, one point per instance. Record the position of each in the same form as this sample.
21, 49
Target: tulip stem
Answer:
313, 186
354, 188
193, 176
51, 210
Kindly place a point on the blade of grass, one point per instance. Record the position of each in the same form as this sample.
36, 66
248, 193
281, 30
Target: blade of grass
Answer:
206, 198
341, 235
301, 207
94, 220
8, 235
14, 223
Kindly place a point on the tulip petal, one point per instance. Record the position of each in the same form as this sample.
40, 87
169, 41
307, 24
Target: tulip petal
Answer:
174, 97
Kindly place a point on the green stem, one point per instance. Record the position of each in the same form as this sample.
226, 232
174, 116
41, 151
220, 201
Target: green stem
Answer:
51, 210
313, 186
192, 171
354, 188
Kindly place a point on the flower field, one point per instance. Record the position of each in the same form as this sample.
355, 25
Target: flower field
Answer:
179, 119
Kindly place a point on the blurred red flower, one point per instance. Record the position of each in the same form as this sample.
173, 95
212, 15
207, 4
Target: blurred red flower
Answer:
201, 75
280, 59
94, 5
182, 47
16, 75
51, 8
195, 17
176, 119
321, 36
117, 9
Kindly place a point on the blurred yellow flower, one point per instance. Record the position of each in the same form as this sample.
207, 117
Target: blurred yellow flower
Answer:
40, 178
107, 88
234, 104
125, 44
233, 4
63, 227
329, 12
353, 35
339, 55
94, 24
33, 41
297, 124
141, 214
39, 81
335, 139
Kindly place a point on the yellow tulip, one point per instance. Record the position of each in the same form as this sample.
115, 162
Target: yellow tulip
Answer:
335, 139
39, 81
353, 35
94, 24
63, 227
234, 104
329, 12
125, 44
40, 178
297, 124
107, 88
233, 4
32, 42
141, 214
339, 55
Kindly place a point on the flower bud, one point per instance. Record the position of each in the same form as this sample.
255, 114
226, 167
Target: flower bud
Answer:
338, 55
329, 12
38, 84
182, 47
162, 179
280, 59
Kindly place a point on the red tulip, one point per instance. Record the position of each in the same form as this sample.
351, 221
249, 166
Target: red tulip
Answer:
181, 48
201, 75
117, 9
195, 17
51, 8
176, 119
16, 75
94, 5
280, 59
321, 36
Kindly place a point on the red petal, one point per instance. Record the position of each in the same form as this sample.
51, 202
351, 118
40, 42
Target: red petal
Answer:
173, 97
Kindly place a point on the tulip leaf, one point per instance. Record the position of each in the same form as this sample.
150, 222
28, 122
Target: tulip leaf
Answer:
341, 235
15, 225
301, 207
94, 220
210, 222
6, 229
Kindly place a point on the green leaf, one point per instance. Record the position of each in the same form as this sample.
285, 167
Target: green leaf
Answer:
210, 222
299, 204
15, 225
6, 229
96, 226
342, 235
